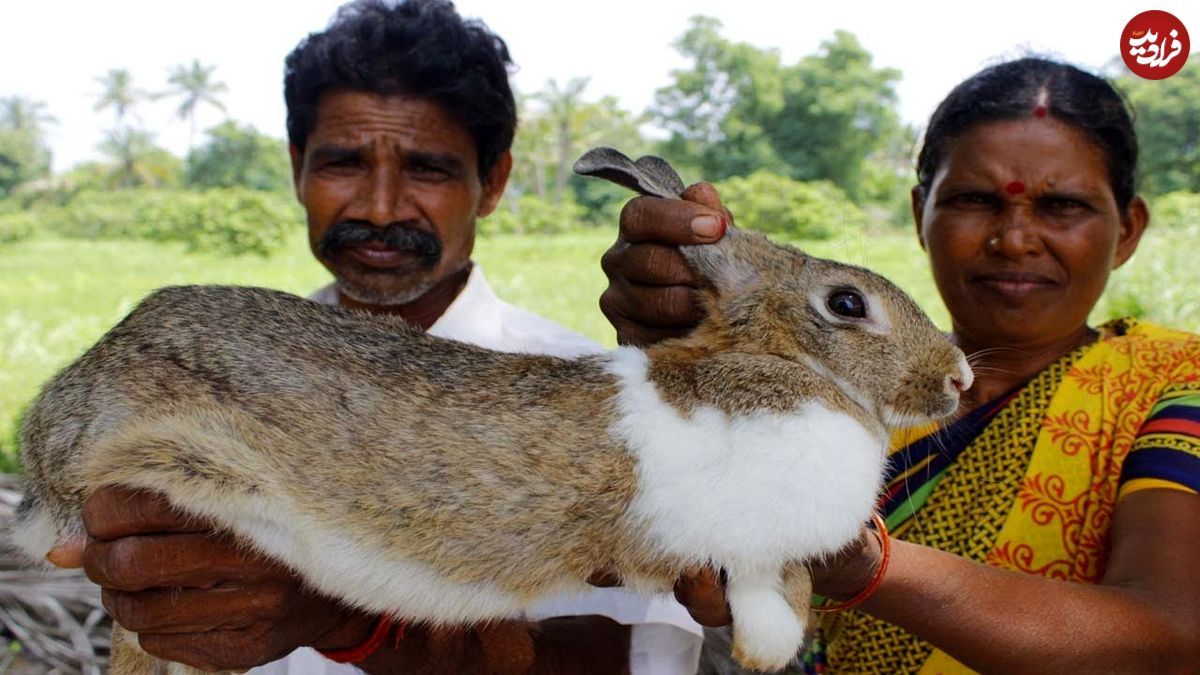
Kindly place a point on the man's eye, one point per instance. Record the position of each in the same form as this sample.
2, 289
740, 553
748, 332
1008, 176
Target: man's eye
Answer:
342, 163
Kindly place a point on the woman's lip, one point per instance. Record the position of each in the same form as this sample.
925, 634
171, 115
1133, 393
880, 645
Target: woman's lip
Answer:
1015, 285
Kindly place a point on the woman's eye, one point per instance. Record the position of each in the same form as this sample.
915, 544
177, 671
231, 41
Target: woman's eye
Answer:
847, 303
1063, 205
975, 199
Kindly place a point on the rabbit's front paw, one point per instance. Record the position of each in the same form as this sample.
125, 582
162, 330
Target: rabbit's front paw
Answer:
767, 632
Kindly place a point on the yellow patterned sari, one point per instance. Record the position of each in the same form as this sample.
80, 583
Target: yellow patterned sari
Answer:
1029, 482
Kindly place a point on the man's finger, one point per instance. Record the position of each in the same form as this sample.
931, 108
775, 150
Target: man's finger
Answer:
706, 194
171, 560
703, 594
68, 554
651, 264
671, 221
114, 512
213, 651
190, 610
672, 307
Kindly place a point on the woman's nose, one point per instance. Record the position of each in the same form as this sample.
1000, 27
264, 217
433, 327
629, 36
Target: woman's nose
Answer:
1016, 234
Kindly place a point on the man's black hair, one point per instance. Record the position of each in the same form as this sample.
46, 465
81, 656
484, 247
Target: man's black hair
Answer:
1037, 87
420, 48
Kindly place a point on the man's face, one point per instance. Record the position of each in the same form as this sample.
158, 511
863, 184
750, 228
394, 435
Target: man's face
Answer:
392, 189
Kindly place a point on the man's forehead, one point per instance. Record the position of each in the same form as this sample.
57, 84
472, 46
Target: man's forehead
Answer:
358, 117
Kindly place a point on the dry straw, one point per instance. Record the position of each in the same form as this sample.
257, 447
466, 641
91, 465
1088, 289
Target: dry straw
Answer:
54, 615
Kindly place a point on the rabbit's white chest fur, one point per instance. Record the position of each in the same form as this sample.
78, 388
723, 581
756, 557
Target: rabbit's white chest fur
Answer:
754, 490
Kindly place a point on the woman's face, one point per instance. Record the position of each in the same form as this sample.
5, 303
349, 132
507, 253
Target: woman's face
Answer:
1022, 230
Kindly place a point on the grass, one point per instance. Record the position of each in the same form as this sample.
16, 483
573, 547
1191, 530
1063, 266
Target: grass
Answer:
58, 296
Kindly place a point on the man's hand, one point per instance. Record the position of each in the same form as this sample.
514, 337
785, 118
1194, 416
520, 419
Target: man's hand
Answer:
651, 292
197, 597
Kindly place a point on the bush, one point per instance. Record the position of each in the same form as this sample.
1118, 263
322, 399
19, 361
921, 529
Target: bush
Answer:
1175, 210
532, 215
16, 226
225, 220
775, 204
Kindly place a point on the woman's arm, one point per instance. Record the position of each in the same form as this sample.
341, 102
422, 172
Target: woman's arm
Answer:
1143, 617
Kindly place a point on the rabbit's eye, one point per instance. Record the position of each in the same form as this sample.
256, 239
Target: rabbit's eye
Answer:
847, 303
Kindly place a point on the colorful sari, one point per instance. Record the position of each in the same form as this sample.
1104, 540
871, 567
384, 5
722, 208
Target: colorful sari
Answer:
1028, 482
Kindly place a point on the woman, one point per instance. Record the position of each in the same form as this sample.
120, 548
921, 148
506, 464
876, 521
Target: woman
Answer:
1054, 526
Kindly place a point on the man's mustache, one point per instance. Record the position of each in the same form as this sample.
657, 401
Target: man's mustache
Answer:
400, 236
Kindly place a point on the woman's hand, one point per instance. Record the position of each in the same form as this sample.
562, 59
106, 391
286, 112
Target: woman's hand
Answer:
651, 294
839, 578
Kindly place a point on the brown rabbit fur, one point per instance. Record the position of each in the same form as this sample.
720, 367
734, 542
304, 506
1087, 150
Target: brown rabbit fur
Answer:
445, 483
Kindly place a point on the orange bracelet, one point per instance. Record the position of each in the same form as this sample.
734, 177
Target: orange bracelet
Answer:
885, 547
362, 652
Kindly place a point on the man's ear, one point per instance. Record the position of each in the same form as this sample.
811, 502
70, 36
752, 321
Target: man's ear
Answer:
917, 196
493, 184
297, 167
1133, 225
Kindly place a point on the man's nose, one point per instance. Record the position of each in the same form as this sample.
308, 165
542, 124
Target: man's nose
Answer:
384, 198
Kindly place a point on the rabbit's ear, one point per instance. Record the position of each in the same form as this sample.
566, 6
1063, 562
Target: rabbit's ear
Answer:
739, 261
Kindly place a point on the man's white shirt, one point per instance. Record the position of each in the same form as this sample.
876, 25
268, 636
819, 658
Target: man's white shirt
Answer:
663, 637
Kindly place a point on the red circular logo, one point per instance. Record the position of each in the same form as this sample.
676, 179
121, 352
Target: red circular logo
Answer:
1155, 44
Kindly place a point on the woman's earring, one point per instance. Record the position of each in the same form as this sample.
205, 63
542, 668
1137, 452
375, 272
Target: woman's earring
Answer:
993, 243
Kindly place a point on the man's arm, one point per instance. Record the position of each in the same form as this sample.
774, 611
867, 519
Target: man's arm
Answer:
199, 598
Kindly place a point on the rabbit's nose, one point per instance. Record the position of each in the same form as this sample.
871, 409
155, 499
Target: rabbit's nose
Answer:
955, 383
963, 380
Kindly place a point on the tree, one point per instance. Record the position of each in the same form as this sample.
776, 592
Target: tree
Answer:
557, 125
18, 113
239, 156
561, 106
22, 159
739, 109
838, 110
715, 111
24, 153
119, 93
138, 161
1167, 118
194, 84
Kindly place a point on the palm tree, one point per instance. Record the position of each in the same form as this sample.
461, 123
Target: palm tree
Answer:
131, 150
561, 105
195, 85
119, 93
24, 114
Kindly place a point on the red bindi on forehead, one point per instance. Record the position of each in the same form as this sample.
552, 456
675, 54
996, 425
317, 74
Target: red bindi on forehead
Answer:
1039, 111
1015, 188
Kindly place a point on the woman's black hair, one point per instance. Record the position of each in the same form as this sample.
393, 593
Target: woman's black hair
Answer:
419, 48
1037, 87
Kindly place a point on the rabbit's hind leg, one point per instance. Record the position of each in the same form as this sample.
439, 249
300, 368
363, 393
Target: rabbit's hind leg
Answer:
767, 631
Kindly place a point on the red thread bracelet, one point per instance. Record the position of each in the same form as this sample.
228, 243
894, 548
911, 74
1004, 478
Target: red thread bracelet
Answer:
373, 643
885, 553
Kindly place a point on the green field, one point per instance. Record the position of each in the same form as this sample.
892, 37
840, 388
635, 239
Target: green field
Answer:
58, 296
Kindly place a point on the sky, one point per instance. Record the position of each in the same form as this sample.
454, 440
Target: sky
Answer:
54, 51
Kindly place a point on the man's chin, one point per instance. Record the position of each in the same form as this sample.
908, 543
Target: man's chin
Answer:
382, 297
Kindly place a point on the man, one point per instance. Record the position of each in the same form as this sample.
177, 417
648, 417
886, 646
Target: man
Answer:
400, 122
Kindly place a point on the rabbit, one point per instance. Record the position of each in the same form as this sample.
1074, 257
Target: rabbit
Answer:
439, 482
